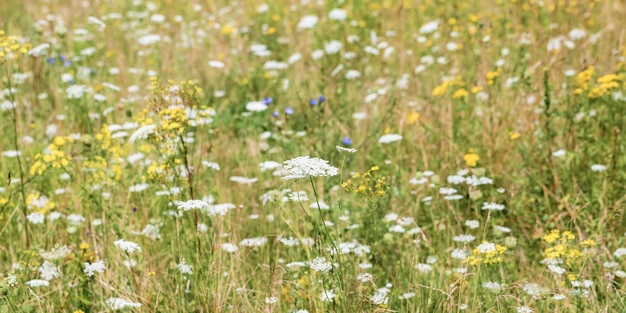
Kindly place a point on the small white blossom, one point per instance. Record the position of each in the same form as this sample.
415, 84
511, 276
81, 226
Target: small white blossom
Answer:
120, 304
127, 246
93, 268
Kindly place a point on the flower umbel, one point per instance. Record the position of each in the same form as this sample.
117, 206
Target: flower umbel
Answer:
305, 166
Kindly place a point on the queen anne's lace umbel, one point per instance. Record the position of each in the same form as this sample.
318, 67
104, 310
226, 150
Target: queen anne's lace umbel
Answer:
304, 166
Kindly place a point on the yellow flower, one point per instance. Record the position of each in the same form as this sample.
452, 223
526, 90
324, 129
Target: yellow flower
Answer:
477, 89
514, 135
461, 93
413, 117
588, 243
441, 89
227, 30
471, 159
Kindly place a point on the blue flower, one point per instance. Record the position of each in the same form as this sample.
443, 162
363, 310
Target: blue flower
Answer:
288, 110
50, 60
275, 114
346, 141
322, 99
267, 101
313, 102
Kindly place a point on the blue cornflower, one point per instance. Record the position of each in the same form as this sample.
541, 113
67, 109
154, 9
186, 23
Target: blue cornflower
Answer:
50, 60
288, 110
346, 141
313, 102
322, 99
275, 114
267, 101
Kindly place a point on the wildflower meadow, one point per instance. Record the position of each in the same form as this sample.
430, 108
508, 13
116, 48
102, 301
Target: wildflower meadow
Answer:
309, 156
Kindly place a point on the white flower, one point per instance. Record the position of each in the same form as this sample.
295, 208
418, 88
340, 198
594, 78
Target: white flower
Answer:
532, 289
352, 74
460, 254
39, 50
493, 206
35, 218
337, 14
93, 268
229, 247
493, 286
7, 105
464, 238
554, 44
576, 34
379, 298
556, 269
559, 153
243, 180
48, 271
142, 133
327, 295
423, 267
322, 205
75, 91
93, 20
138, 187
429, 27
486, 247
294, 58
192, 205
37, 283
473, 224
253, 242
598, 168
307, 22
216, 64
127, 246
269, 165
305, 166
56, 253
149, 39
119, 304
256, 106
333, 47
184, 268
11, 153
389, 138
271, 300
320, 265
620, 252
524, 309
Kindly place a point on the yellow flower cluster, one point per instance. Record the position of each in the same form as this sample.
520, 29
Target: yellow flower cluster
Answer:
486, 253
11, 48
114, 152
55, 158
563, 246
491, 76
583, 78
367, 184
441, 89
174, 120
605, 85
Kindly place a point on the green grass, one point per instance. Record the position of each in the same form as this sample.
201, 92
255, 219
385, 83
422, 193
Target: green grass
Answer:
519, 105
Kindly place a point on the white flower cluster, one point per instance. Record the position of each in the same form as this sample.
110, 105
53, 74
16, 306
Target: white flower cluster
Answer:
304, 167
